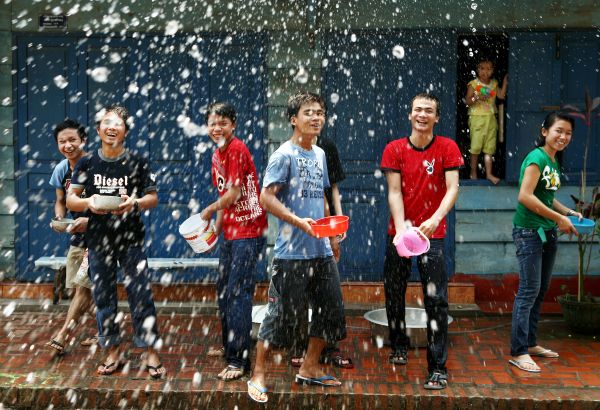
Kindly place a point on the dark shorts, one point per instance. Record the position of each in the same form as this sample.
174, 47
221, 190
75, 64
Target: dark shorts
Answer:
296, 284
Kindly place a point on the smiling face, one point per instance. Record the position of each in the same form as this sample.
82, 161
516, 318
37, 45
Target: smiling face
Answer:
70, 144
424, 115
112, 130
558, 136
485, 70
220, 129
309, 121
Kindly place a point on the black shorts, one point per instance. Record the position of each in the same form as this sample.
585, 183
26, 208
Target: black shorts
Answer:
296, 284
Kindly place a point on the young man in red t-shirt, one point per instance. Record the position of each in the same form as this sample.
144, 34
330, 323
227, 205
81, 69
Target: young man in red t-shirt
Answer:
422, 176
243, 222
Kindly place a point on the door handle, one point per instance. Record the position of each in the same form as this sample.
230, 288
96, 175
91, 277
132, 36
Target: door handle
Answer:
550, 107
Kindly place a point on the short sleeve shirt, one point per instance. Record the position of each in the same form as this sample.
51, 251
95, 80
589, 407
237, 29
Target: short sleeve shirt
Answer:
484, 107
423, 177
61, 179
302, 175
335, 172
128, 174
234, 167
545, 190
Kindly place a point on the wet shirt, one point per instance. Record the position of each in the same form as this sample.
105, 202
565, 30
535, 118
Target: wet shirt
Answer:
302, 175
234, 167
484, 107
128, 174
335, 172
545, 190
61, 179
423, 177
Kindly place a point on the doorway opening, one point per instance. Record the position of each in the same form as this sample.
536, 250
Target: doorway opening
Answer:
471, 49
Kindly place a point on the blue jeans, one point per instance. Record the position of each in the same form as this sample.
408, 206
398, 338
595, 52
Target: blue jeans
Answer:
536, 260
235, 289
103, 274
434, 280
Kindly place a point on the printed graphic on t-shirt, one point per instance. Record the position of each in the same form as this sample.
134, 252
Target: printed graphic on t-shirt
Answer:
429, 166
250, 204
106, 185
551, 177
311, 175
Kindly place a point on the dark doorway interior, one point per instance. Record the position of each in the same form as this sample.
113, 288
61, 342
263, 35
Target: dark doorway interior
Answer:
471, 49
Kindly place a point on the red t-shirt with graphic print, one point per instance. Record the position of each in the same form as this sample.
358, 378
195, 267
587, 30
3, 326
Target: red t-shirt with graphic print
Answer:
422, 173
234, 167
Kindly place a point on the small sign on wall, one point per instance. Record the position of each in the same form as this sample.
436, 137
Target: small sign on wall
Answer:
52, 21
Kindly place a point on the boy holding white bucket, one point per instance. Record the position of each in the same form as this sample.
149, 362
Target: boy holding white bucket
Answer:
118, 236
422, 177
304, 270
243, 223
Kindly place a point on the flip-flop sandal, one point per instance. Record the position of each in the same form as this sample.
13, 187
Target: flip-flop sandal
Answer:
398, 357
262, 390
212, 352
239, 373
337, 359
296, 361
157, 375
545, 353
519, 364
318, 381
109, 368
90, 341
59, 347
436, 381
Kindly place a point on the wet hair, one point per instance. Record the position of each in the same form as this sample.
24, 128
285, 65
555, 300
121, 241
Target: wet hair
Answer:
117, 109
224, 109
70, 124
299, 99
430, 97
549, 122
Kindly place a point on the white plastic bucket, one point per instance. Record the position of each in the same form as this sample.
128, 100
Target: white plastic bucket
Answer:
198, 233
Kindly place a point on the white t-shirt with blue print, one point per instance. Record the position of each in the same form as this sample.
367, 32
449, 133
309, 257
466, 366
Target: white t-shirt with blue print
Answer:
302, 175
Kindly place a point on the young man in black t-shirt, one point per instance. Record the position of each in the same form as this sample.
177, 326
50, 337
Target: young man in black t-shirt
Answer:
118, 236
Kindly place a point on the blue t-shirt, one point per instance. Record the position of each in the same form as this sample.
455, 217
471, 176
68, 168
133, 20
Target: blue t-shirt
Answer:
61, 179
303, 177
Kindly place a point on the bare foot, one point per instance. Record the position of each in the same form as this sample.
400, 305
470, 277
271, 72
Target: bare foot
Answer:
493, 179
473, 176
216, 351
317, 373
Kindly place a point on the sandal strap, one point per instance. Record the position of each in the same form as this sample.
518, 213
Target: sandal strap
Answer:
438, 377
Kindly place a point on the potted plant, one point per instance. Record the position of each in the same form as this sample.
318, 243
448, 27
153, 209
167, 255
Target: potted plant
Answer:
582, 311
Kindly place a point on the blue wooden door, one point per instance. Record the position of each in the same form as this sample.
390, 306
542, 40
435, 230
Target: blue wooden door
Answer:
166, 85
548, 71
368, 88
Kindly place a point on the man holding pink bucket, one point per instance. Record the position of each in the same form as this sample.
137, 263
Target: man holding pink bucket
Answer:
243, 222
422, 176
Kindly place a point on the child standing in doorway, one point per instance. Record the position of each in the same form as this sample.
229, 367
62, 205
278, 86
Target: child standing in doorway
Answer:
483, 126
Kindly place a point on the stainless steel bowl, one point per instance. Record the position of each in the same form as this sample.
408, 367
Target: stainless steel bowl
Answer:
416, 326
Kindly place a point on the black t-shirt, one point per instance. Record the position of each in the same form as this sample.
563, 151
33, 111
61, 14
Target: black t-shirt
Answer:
127, 174
334, 168
78, 238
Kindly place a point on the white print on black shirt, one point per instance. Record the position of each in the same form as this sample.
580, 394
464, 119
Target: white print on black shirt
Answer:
106, 185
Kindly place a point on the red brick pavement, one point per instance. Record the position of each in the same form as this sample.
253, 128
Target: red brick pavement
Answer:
479, 374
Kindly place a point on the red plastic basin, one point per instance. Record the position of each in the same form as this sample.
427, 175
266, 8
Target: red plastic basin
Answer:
331, 226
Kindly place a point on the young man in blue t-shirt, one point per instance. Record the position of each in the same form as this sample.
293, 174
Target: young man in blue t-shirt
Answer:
304, 270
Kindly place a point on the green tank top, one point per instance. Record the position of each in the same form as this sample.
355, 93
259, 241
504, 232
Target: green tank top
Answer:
545, 189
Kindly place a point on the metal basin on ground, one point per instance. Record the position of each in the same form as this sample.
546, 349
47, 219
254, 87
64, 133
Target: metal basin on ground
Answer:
416, 326
258, 315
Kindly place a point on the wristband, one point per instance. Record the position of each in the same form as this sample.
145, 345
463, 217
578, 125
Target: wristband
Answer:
570, 212
136, 205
